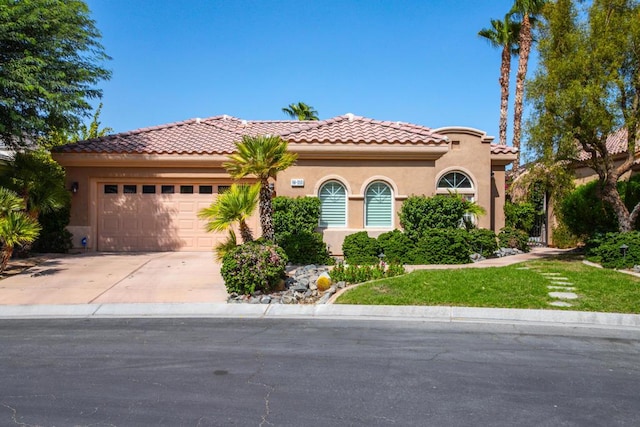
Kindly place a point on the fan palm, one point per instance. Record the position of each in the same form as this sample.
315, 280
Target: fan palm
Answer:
236, 205
300, 111
527, 10
503, 35
16, 227
263, 157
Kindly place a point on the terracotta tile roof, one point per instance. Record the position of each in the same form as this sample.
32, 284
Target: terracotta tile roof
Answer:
503, 149
616, 144
217, 135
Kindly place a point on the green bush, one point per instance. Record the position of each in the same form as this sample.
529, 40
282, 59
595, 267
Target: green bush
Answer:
304, 247
364, 273
54, 237
483, 241
563, 238
359, 248
397, 247
606, 249
520, 216
585, 214
253, 266
438, 246
512, 238
419, 214
295, 215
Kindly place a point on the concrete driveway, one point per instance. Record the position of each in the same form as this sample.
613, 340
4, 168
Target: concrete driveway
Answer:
100, 278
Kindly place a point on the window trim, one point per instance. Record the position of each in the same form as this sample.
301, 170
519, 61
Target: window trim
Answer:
391, 204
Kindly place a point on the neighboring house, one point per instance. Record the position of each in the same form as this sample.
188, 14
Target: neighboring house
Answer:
617, 147
141, 190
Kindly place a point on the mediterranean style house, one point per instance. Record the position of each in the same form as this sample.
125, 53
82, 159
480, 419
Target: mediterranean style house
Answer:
142, 190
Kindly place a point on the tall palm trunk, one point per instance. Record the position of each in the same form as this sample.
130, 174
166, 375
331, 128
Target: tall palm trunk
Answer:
525, 40
505, 70
266, 211
245, 232
5, 256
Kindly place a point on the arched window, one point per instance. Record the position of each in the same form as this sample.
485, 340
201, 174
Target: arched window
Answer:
333, 204
378, 205
458, 183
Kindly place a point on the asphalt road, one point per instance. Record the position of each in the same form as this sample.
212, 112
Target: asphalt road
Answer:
203, 372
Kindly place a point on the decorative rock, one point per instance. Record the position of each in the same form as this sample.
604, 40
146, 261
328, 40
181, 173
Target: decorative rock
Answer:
299, 288
341, 284
476, 257
265, 299
288, 299
313, 286
562, 288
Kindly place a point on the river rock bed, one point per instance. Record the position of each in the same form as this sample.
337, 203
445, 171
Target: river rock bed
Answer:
300, 287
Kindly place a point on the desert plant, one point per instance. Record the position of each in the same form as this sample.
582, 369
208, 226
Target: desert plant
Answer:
323, 283
235, 205
253, 266
223, 247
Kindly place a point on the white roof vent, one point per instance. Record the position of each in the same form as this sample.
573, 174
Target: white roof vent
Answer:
244, 123
198, 119
350, 116
225, 117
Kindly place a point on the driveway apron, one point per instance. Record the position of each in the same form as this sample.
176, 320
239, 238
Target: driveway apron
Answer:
118, 278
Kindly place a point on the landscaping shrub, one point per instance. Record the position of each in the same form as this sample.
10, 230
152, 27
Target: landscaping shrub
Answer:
483, 241
364, 273
442, 246
585, 214
295, 215
563, 238
520, 216
512, 238
253, 266
419, 214
54, 237
397, 247
606, 249
359, 248
304, 247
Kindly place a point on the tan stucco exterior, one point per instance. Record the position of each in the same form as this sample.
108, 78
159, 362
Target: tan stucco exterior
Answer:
407, 169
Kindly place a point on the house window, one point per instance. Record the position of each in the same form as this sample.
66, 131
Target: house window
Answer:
378, 205
223, 188
461, 184
333, 205
167, 189
186, 189
110, 189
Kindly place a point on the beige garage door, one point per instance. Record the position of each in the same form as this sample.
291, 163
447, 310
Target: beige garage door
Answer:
160, 216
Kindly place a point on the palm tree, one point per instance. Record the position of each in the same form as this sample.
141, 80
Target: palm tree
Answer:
39, 180
301, 111
527, 10
504, 35
236, 205
16, 227
262, 156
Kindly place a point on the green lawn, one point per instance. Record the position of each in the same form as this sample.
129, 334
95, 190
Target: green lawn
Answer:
507, 287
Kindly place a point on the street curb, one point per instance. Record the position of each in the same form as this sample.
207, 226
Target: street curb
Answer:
446, 314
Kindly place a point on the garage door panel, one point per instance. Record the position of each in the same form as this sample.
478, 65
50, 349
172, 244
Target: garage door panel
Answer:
155, 222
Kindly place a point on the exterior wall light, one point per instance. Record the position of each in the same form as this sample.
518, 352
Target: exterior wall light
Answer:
74, 187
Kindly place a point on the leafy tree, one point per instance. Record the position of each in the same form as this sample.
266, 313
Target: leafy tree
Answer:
16, 227
301, 111
528, 11
236, 205
263, 157
587, 88
503, 35
80, 133
50, 64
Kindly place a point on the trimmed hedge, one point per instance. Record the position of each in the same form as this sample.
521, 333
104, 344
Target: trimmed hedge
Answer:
438, 246
359, 248
294, 215
419, 214
512, 238
483, 241
304, 248
397, 247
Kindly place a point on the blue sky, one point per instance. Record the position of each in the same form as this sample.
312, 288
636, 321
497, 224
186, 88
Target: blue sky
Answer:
416, 61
